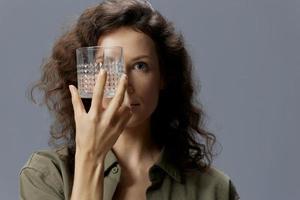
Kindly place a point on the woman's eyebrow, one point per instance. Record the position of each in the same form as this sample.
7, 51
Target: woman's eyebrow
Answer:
139, 57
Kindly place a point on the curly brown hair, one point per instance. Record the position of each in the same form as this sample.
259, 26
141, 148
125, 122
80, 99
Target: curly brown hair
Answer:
177, 123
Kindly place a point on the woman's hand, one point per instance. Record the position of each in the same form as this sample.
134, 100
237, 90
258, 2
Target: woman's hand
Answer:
98, 130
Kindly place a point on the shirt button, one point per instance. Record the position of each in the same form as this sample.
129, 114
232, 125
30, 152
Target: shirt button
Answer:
115, 170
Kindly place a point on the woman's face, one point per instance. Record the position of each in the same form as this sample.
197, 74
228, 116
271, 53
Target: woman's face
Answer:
142, 69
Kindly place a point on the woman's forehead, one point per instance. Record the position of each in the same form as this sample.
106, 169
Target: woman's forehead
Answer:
133, 42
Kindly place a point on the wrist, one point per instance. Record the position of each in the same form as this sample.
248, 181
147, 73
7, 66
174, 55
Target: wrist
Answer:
85, 157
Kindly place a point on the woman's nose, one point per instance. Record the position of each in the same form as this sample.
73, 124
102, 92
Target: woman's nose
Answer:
129, 85
130, 89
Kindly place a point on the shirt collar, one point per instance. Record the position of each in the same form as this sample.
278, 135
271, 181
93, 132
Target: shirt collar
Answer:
110, 161
164, 162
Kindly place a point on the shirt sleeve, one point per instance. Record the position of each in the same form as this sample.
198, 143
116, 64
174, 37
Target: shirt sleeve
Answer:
40, 179
233, 195
35, 185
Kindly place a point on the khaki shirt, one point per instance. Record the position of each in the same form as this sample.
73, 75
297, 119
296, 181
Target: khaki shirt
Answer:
45, 176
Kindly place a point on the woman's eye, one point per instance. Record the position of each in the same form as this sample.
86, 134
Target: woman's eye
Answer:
141, 66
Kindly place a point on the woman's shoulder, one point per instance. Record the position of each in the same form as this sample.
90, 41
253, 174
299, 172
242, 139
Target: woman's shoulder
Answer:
209, 174
213, 180
45, 174
215, 175
46, 161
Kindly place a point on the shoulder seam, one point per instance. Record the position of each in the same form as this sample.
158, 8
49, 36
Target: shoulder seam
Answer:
29, 164
45, 173
26, 165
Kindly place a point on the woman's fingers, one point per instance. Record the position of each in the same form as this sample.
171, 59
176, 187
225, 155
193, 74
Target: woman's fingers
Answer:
118, 98
76, 101
98, 92
124, 114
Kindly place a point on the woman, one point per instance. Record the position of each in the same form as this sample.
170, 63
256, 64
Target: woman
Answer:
148, 141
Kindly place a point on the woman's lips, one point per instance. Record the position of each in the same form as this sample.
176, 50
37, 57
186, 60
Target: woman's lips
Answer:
133, 107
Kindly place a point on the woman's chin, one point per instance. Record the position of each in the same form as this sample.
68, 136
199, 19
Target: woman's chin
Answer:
135, 121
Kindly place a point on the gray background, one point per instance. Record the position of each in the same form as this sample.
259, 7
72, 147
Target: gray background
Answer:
246, 55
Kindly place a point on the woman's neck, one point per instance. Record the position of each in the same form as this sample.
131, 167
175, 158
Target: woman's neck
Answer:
136, 148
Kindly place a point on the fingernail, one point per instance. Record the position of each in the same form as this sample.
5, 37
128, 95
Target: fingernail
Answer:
71, 88
102, 71
125, 76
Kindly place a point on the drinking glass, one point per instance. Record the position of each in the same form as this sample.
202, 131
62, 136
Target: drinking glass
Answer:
89, 62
